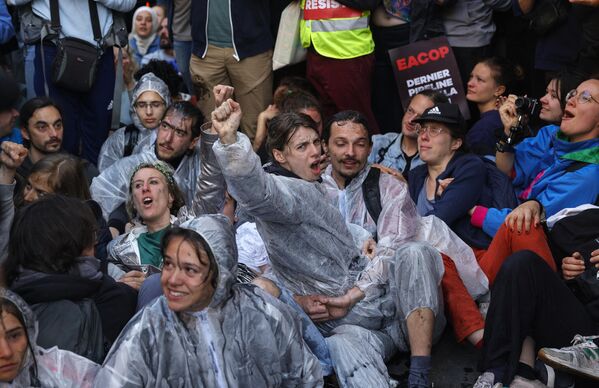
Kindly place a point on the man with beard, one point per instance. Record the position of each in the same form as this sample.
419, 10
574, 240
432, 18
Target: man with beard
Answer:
42, 131
176, 144
166, 52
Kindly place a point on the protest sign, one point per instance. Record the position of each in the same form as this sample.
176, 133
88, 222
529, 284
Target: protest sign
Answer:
428, 64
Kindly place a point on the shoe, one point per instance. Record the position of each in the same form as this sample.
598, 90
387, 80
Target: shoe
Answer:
487, 380
521, 382
582, 358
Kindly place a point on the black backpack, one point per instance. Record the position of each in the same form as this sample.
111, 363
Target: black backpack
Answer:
131, 138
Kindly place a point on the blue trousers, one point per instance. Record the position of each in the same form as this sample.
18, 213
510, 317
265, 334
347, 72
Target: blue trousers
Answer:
86, 116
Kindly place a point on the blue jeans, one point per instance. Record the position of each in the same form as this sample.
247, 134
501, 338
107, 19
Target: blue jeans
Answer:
86, 116
183, 55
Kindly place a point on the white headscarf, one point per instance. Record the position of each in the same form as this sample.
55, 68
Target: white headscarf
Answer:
144, 43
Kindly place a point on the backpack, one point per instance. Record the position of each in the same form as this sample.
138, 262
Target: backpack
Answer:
372, 193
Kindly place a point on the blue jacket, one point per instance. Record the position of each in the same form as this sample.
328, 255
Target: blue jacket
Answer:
557, 188
155, 46
250, 26
7, 30
394, 156
465, 192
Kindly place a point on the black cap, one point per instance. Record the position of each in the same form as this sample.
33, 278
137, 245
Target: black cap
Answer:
444, 113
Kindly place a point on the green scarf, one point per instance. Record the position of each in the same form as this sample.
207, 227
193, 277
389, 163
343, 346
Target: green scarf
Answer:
149, 247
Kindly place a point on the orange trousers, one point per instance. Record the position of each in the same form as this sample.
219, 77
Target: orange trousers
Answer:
461, 309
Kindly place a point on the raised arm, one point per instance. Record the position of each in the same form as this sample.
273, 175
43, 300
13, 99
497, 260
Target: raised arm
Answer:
12, 156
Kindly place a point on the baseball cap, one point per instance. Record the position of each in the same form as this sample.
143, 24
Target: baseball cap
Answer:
443, 113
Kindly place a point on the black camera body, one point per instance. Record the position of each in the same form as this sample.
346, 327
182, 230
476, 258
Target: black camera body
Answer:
527, 106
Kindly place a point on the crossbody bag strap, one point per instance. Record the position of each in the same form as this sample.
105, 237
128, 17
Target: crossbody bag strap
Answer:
93, 14
55, 27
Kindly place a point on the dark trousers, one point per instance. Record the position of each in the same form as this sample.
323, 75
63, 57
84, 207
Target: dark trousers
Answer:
528, 299
86, 116
343, 84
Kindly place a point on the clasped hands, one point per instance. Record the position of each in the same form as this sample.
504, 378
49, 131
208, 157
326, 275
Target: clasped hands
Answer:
322, 308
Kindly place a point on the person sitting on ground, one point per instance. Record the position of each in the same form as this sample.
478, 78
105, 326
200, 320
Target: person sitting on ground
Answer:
143, 38
528, 296
312, 250
51, 264
26, 364
168, 75
490, 79
181, 338
551, 170
42, 130
447, 186
150, 99
400, 150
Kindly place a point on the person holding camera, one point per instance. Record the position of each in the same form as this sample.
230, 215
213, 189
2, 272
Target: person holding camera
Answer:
556, 169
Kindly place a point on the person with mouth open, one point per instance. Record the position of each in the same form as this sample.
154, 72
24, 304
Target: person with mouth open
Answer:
205, 330
150, 99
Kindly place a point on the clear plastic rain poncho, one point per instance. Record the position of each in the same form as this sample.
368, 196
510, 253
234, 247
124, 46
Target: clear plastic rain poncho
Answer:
111, 188
244, 338
113, 148
399, 223
55, 368
208, 198
312, 251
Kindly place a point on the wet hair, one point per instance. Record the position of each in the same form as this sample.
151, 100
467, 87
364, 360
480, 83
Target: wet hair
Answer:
165, 72
282, 128
66, 175
290, 84
199, 244
173, 189
31, 106
8, 307
11, 93
436, 96
504, 73
188, 111
351, 116
48, 235
298, 100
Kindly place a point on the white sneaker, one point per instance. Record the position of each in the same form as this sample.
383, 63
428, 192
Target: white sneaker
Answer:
486, 380
582, 358
521, 382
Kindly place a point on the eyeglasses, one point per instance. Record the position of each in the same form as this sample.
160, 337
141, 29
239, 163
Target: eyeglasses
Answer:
152, 104
431, 131
582, 98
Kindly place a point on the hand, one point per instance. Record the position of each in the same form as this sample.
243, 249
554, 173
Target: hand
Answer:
339, 306
133, 279
325, 160
507, 112
443, 183
595, 258
391, 171
313, 306
268, 113
221, 94
369, 248
525, 215
590, 3
573, 266
114, 232
225, 121
12, 155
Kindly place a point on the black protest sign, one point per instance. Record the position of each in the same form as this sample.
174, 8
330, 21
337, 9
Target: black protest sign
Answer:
428, 64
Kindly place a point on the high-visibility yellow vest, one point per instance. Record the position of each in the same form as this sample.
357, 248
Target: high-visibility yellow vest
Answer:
335, 31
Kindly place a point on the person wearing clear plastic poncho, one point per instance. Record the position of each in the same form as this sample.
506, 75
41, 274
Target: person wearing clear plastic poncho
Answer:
155, 202
311, 247
206, 331
176, 144
150, 99
24, 364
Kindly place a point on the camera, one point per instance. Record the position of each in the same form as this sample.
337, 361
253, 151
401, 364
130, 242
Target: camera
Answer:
527, 106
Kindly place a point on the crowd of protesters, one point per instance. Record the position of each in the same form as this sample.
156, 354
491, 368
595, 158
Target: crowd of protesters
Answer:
173, 212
